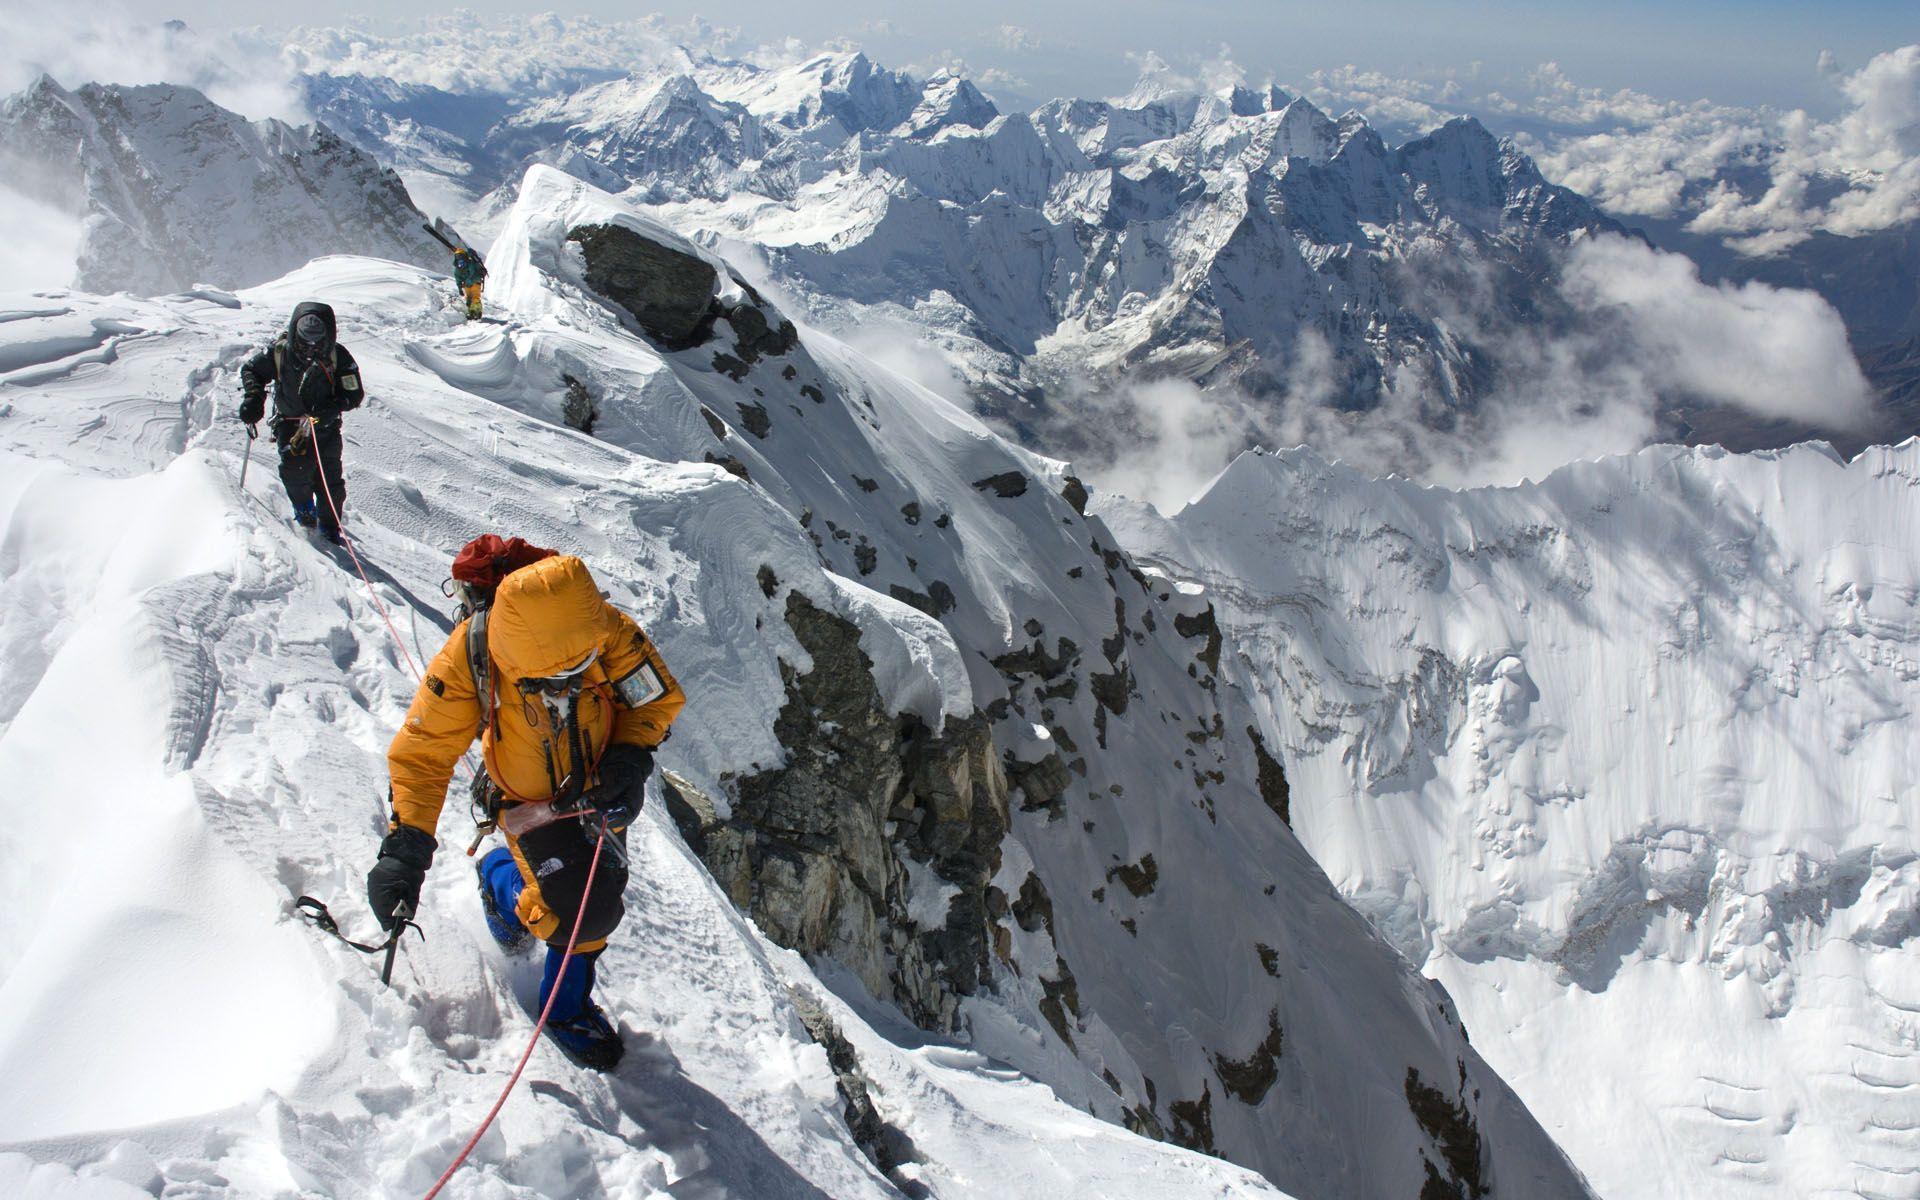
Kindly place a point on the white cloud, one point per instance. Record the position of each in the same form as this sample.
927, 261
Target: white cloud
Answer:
1399, 105
103, 43
1674, 161
1178, 437
1639, 155
1637, 333
1776, 352
456, 53
1018, 38
42, 244
1882, 132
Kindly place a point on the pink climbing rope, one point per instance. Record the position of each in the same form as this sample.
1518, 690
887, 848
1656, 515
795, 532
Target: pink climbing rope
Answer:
319, 468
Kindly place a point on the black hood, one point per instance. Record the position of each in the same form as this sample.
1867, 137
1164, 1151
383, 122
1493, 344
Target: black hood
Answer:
324, 312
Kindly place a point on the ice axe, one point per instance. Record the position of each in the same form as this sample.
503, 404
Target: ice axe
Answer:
401, 914
253, 432
316, 911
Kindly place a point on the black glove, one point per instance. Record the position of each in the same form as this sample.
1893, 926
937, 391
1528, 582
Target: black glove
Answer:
253, 408
624, 769
405, 855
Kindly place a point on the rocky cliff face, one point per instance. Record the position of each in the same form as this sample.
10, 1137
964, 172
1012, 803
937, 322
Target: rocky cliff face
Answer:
176, 190
876, 843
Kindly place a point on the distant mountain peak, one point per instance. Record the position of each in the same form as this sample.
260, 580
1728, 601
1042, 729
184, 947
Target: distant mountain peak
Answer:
178, 190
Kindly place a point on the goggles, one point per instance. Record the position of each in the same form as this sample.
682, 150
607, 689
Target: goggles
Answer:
560, 683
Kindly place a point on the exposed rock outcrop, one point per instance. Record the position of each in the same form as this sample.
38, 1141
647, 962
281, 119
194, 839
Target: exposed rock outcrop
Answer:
887, 1145
1006, 485
667, 292
874, 843
1461, 1172
578, 409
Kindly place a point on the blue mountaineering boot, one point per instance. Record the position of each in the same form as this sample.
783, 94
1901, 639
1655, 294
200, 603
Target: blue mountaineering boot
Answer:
577, 1025
500, 885
305, 514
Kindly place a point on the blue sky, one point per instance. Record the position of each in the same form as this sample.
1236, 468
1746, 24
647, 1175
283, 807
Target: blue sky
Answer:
1742, 53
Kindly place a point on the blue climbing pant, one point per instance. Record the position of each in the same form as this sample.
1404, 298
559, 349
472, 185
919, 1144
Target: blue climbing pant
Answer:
500, 875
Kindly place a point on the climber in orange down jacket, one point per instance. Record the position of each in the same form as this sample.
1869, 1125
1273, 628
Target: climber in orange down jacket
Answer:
569, 700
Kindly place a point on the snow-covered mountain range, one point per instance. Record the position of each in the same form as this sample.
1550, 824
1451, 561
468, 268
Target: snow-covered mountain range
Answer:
1626, 759
1011, 847
1307, 279
174, 190
1221, 239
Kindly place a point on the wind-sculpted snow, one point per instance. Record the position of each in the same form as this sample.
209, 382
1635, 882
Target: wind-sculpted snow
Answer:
1162, 954
1626, 759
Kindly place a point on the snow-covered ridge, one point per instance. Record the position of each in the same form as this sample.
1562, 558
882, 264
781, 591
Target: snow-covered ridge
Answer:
1626, 759
1119, 921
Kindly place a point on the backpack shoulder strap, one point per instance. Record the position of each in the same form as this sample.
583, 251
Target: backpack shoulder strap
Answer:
480, 665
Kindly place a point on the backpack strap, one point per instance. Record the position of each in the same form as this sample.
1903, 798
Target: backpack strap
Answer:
480, 664
280, 355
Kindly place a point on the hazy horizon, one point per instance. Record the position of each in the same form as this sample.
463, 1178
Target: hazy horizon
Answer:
1755, 54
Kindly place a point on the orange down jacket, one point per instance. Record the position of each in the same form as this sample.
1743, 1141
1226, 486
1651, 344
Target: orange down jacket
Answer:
545, 618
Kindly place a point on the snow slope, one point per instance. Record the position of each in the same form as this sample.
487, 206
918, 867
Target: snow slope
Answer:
211, 695
1626, 759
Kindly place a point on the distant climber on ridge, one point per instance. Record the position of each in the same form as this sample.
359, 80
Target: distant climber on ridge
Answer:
569, 699
314, 381
470, 276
